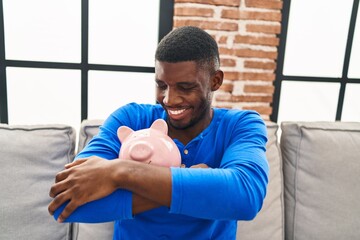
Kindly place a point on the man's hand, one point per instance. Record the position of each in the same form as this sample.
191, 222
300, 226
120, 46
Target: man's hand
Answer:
201, 165
83, 181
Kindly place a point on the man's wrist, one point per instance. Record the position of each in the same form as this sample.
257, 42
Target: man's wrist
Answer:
121, 172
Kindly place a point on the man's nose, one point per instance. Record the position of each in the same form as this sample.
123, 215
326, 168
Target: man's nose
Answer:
171, 97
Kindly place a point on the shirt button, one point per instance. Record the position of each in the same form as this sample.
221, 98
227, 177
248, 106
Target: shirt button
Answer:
186, 151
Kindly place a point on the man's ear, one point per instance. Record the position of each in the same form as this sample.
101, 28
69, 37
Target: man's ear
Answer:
217, 80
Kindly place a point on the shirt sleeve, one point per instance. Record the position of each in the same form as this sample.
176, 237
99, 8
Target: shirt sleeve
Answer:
117, 205
237, 188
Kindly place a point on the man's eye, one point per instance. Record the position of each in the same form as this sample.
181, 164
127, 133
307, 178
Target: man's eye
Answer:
185, 88
161, 86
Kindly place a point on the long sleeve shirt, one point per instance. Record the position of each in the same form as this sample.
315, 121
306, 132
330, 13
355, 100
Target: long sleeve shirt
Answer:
206, 203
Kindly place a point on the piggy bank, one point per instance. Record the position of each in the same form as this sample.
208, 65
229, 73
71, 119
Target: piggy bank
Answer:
151, 145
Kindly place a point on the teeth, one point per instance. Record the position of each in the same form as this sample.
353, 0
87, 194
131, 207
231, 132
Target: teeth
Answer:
176, 112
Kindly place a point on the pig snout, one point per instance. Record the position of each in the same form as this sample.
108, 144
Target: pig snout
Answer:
141, 151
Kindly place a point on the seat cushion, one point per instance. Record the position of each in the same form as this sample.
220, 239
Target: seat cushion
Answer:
269, 223
321, 173
30, 158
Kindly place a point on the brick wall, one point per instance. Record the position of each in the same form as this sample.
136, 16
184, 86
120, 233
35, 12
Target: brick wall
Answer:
247, 34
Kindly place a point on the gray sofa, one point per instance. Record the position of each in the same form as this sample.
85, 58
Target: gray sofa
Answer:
313, 190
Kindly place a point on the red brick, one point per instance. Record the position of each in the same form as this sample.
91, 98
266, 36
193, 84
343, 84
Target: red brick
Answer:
250, 76
222, 39
275, 29
231, 75
226, 51
222, 105
233, 3
260, 65
251, 15
227, 62
268, 89
268, 41
269, 4
223, 97
251, 98
267, 16
227, 87
255, 53
243, 98
256, 76
230, 13
197, 12
262, 110
207, 25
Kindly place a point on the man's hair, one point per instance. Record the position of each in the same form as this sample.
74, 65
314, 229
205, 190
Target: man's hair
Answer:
189, 44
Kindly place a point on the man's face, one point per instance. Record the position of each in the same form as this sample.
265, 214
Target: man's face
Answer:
184, 91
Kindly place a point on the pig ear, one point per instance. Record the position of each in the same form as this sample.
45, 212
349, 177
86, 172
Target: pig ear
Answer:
123, 132
160, 125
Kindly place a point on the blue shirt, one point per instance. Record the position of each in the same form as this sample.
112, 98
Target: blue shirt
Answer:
206, 203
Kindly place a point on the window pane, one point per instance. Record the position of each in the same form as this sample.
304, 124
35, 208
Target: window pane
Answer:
42, 96
351, 109
110, 90
354, 69
42, 30
112, 40
315, 44
308, 101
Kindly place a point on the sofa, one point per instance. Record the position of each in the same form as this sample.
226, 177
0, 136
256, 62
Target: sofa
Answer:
313, 190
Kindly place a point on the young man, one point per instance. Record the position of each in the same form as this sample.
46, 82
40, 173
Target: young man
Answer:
226, 171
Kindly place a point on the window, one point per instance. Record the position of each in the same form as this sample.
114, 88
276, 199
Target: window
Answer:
317, 78
65, 61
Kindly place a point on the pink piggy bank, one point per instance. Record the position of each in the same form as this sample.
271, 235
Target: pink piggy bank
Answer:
151, 145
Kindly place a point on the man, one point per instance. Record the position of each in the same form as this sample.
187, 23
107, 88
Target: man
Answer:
226, 171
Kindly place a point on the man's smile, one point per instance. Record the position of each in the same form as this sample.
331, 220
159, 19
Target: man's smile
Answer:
177, 114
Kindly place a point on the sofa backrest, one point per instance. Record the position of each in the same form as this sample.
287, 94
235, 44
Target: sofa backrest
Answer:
321, 174
30, 157
269, 223
84, 231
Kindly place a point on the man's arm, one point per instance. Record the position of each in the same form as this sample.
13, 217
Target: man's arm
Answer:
109, 205
139, 203
96, 178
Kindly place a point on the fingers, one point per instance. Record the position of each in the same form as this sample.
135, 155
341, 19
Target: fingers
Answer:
61, 183
75, 163
201, 165
56, 203
60, 176
71, 206
68, 210
59, 187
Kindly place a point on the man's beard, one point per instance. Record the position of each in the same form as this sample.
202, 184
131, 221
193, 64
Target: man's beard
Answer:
193, 121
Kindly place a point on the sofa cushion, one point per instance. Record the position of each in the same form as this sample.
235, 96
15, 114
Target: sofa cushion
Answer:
321, 173
269, 223
30, 158
83, 231
88, 129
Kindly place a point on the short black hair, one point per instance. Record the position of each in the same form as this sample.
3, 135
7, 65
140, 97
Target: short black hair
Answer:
189, 44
